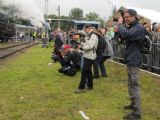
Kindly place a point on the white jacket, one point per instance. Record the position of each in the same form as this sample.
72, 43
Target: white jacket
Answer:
89, 47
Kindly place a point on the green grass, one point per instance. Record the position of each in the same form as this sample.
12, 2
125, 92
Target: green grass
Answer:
32, 90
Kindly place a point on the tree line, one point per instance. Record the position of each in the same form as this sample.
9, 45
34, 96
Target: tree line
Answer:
76, 14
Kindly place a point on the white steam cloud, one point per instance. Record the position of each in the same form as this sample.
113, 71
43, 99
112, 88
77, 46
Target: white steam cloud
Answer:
29, 10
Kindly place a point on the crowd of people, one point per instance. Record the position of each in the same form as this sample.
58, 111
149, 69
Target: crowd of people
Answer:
76, 51
73, 49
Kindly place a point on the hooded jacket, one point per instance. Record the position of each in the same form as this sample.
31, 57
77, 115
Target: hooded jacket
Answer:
89, 46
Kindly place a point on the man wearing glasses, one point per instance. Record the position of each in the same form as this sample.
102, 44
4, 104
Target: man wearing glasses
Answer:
133, 34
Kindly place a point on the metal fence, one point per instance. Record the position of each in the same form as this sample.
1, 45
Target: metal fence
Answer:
150, 61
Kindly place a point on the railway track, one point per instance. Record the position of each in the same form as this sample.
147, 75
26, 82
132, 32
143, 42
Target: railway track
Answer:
10, 45
6, 51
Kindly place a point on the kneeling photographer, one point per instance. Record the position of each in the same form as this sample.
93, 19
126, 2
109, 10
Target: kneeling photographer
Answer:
71, 61
133, 34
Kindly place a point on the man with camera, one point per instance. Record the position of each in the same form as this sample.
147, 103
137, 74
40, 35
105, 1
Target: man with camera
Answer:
133, 34
88, 47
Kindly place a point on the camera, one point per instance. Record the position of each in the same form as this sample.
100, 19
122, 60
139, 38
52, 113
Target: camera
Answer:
117, 37
82, 35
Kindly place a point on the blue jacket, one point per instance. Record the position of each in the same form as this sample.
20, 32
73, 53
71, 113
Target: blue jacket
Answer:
134, 37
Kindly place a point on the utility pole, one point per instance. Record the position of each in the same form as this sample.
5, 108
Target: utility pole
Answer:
46, 8
112, 9
59, 11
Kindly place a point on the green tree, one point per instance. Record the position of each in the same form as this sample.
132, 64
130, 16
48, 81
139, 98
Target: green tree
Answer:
76, 13
23, 21
54, 23
102, 22
92, 16
13, 12
65, 24
51, 16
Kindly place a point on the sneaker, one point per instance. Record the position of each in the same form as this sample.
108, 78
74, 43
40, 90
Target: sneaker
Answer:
129, 106
104, 76
96, 77
79, 91
132, 116
88, 88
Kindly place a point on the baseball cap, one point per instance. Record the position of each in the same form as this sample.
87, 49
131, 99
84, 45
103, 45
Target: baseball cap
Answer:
87, 26
66, 47
131, 12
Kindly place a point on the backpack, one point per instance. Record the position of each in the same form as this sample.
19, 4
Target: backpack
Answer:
147, 44
104, 48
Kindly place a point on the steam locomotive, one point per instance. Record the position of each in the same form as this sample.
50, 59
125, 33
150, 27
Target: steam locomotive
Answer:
7, 29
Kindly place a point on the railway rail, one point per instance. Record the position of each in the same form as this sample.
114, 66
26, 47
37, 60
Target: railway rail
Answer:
4, 46
9, 50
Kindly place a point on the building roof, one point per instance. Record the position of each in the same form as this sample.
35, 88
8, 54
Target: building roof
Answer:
24, 26
76, 21
85, 22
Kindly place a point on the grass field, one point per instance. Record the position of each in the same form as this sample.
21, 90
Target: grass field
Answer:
30, 89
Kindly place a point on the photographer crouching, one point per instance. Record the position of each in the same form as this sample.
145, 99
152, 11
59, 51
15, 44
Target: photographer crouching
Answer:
71, 61
133, 34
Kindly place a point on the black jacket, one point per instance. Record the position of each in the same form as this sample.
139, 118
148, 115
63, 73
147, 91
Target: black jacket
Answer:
73, 59
134, 37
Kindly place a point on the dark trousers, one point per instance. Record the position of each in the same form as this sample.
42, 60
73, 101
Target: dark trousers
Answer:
99, 64
86, 74
102, 68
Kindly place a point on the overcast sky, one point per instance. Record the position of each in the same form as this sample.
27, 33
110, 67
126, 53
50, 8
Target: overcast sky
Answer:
102, 7
34, 9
